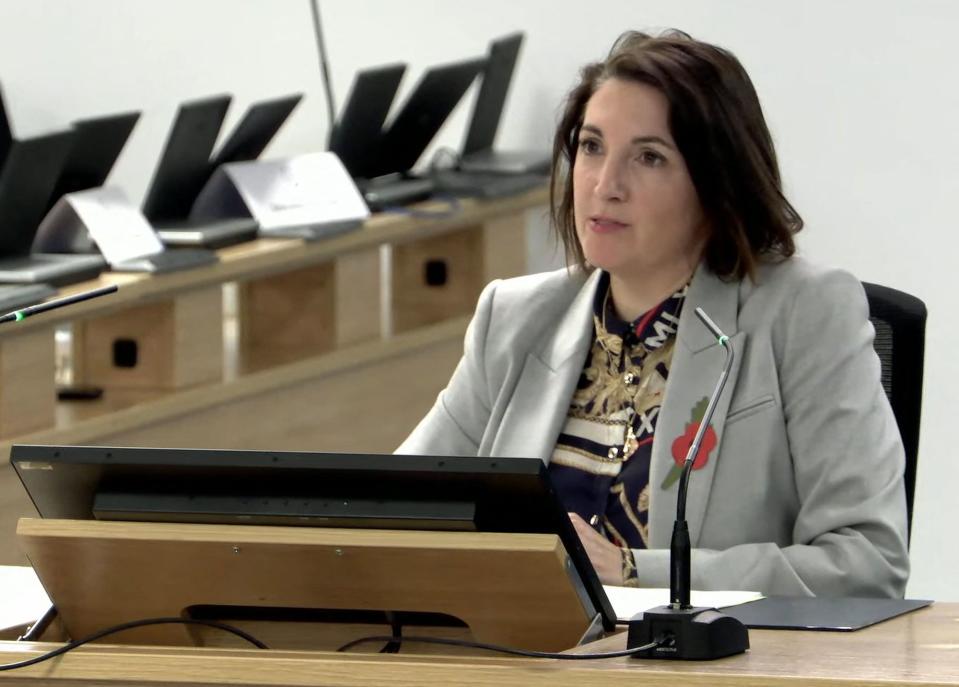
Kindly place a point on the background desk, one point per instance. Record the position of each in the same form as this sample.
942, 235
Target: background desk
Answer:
920, 648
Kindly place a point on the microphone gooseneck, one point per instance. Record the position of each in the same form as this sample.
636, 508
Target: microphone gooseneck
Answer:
24, 313
680, 548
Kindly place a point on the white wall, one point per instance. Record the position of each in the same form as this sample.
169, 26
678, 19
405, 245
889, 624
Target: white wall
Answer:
860, 96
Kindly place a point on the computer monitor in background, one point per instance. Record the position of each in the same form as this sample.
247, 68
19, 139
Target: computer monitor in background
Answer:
257, 128
304, 489
356, 135
424, 112
6, 135
478, 152
27, 178
184, 166
488, 107
182, 172
97, 144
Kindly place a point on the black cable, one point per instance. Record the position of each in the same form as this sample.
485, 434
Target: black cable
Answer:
73, 644
393, 646
501, 649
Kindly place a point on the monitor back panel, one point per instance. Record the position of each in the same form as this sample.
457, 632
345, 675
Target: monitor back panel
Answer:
185, 166
424, 112
6, 135
27, 179
488, 108
97, 145
255, 131
356, 137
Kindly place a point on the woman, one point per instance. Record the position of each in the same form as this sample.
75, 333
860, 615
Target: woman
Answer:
667, 195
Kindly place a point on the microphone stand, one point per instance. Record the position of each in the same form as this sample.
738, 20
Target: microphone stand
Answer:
683, 631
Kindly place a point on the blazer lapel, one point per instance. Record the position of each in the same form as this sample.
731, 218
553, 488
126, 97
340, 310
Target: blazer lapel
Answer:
541, 396
695, 368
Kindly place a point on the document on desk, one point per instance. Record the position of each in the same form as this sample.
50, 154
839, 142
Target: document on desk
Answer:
22, 597
628, 601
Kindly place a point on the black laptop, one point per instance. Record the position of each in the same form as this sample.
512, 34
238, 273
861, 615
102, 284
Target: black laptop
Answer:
97, 144
6, 135
27, 179
355, 137
478, 153
407, 136
181, 173
259, 125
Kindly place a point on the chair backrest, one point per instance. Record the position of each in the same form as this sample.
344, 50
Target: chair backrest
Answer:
900, 322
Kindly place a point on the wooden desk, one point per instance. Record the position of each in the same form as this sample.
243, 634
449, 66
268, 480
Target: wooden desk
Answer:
921, 648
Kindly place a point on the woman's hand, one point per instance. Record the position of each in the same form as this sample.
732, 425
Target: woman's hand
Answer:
606, 557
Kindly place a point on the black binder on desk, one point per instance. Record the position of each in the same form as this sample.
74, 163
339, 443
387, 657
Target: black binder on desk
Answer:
843, 614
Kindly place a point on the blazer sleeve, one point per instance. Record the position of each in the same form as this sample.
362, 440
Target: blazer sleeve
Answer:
849, 537
455, 424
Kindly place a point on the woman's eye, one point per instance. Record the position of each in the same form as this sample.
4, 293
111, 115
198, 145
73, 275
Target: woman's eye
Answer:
590, 146
651, 158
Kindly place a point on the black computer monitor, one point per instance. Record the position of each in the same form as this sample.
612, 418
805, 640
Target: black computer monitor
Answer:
97, 144
355, 137
423, 113
6, 135
488, 107
27, 179
257, 128
304, 489
184, 165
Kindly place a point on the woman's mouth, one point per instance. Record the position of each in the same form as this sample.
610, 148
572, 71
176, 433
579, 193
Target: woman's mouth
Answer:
605, 225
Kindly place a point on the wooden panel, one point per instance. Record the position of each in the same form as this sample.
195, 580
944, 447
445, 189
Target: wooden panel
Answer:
310, 310
368, 406
504, 247
415, 301
27, 388
511, 589
178, 343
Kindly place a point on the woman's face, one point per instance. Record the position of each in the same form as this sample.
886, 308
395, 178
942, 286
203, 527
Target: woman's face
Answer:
635, 206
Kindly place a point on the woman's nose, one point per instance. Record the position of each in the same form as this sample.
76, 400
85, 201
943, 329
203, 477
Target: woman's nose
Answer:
610, 184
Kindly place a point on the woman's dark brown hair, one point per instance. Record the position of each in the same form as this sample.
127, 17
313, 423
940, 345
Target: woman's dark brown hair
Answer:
718, 125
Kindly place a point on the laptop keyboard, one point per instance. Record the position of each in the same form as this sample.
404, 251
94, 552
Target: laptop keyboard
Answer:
486, 185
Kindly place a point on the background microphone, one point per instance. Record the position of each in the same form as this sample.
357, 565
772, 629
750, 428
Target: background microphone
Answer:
680, 630
24, 313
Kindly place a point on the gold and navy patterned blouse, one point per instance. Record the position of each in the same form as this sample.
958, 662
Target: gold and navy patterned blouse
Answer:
600, 466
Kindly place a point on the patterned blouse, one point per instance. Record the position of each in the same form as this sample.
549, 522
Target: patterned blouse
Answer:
600, 466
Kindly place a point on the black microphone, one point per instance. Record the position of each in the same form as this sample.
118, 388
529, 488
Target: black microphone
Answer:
680, 630
24, 313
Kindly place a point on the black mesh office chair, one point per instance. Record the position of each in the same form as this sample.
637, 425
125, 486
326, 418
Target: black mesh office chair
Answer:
900, 322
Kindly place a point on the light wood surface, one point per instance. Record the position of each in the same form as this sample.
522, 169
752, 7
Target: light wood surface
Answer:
920, 648
511, 589
27, 373
271, 256
179, 343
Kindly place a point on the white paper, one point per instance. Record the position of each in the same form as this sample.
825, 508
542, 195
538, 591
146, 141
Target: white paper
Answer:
309, 189
22, 598
119, 229
628, 601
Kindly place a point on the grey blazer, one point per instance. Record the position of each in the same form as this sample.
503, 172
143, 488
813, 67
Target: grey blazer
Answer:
803, 494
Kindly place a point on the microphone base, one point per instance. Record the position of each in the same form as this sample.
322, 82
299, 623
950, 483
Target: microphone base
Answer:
695, 633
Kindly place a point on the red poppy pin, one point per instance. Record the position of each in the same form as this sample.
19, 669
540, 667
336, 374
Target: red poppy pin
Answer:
682, 443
